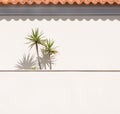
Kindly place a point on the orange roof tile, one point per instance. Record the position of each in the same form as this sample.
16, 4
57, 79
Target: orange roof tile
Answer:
59, 2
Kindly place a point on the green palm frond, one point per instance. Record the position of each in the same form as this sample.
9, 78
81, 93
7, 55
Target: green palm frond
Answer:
35, 38
53, 51
49, 47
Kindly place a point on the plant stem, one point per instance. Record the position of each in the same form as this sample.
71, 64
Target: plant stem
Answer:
38, 57
50, 62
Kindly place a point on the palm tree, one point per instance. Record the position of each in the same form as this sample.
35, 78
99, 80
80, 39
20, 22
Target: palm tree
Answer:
27, 62
50, 50
34, 39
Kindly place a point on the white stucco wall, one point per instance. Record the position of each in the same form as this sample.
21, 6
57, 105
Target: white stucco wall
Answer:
82, 44
59, 93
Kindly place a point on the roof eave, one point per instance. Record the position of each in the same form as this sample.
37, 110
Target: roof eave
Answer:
59, 10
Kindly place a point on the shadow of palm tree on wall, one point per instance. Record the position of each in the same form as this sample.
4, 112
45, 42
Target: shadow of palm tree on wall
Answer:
45, 60
27, 62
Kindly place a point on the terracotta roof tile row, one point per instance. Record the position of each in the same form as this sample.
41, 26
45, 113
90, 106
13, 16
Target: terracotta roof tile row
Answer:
79, 2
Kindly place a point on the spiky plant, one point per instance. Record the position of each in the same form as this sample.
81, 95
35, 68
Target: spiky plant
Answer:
35, 39
50, 50
27, 62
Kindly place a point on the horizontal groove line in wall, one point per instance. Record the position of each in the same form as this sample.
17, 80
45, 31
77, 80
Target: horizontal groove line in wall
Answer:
60, 71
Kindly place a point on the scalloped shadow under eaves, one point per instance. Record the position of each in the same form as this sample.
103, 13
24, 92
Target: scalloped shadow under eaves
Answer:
57, 18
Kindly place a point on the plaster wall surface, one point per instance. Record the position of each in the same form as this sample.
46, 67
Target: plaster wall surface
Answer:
82, 44
87, 43
59, 93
